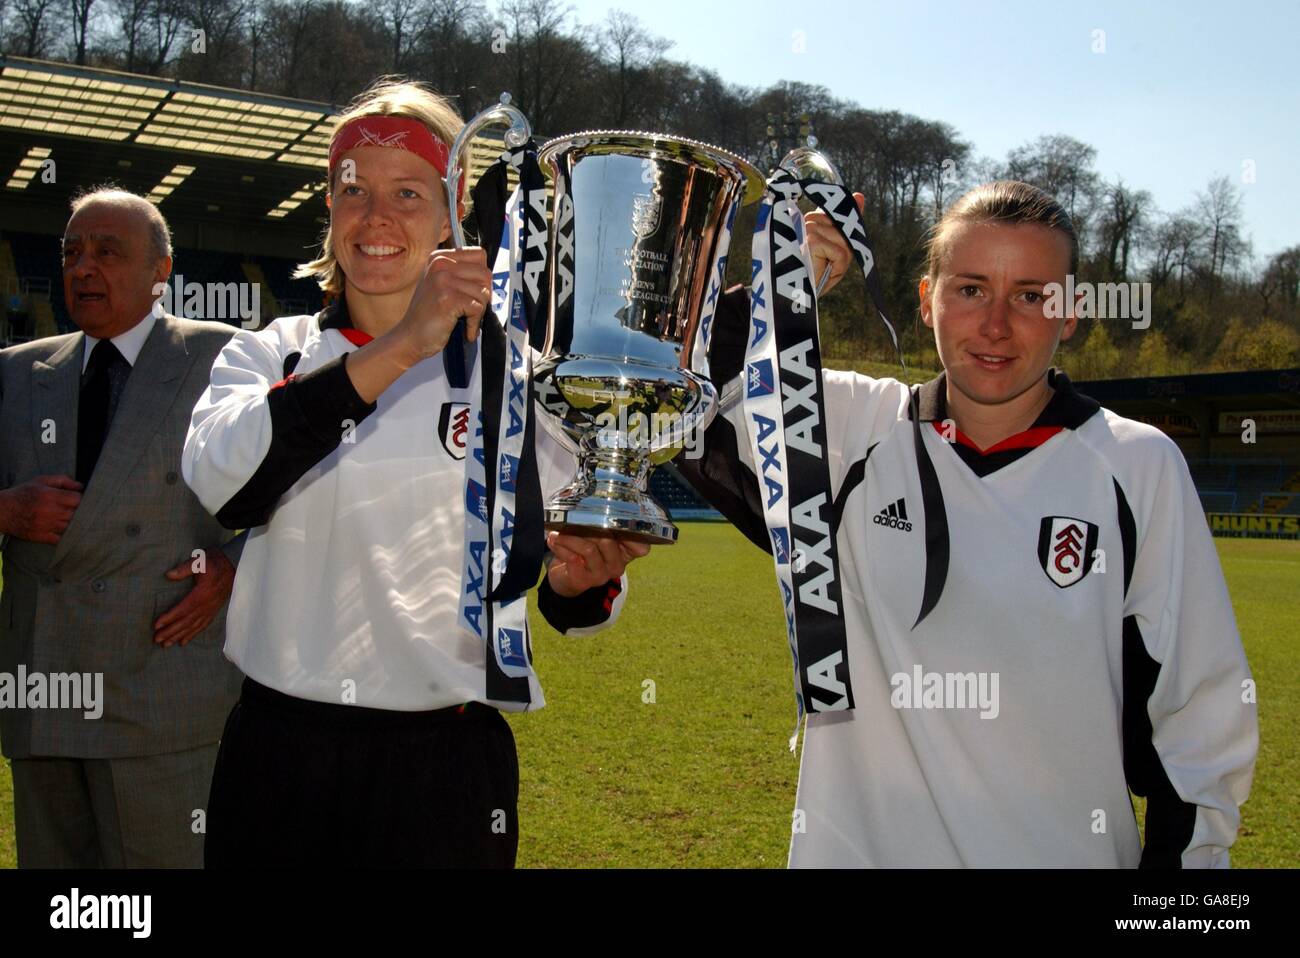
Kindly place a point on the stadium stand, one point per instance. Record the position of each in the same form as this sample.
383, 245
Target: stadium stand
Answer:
1236, 485
33, 297
293, 296
1240, 433
676, 495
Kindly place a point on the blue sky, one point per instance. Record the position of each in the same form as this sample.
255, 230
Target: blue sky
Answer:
1183, 92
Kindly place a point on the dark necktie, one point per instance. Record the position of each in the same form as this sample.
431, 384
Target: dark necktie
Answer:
101, 388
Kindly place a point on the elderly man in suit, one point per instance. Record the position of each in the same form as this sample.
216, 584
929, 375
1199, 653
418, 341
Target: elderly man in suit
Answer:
113, 570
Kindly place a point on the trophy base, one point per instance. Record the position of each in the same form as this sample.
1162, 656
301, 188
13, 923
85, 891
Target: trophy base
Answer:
598, 509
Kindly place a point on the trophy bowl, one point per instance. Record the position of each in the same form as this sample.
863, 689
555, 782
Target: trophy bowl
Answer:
638, 224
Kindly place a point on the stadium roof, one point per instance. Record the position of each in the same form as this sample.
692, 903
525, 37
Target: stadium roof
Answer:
198, 151
43, 97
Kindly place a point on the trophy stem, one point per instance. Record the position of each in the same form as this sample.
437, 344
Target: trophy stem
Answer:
611, 496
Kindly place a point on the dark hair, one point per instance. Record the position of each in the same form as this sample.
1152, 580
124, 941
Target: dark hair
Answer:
1002, 201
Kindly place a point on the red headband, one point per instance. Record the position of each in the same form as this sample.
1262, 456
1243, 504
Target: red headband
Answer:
391, 131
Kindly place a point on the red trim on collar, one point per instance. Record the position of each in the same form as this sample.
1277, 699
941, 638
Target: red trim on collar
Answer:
355, 336
1029, 439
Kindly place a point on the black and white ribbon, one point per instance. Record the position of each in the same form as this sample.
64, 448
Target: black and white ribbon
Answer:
785, 418
504, 533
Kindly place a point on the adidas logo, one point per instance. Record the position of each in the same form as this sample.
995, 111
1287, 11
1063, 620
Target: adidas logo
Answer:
894, 515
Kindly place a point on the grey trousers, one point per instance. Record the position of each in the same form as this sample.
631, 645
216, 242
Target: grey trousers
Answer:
139, 812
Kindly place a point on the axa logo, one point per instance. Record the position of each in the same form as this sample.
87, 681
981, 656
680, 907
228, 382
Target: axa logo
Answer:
476, 500
760, 380
1066, 547
508, 473
894, 516
510, 648
781, 545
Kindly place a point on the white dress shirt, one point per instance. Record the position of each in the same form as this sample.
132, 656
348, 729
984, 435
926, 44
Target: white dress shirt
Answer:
128, 343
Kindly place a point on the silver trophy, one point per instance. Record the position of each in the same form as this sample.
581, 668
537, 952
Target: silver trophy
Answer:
517, 134
809, 163
635, 231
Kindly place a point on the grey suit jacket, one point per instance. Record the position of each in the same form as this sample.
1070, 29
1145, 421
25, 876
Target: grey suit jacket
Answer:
88, 604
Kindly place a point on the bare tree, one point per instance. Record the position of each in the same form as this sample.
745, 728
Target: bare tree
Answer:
1279, 285
32, 32
1063, 167
631, 51
1123, 221
407, 24
127, 42
320, 49
255, 31
286, 33
161, 21
1219, 208
944, 156
1174, 248
222, 24
80, 12
548, 63
456, 53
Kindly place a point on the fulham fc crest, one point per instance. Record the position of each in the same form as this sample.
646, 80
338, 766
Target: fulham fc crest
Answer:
453, 427
1066, 548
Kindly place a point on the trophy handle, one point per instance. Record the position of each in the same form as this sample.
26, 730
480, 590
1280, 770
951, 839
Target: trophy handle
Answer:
808, 162
517, 135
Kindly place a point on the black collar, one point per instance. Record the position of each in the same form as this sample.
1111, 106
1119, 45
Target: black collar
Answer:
335, 315
1067, 408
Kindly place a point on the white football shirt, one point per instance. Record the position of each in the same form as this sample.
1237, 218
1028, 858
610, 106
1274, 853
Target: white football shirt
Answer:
349, 582
1031, 630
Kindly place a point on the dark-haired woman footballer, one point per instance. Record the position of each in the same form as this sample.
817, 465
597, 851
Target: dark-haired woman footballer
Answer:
1036, 617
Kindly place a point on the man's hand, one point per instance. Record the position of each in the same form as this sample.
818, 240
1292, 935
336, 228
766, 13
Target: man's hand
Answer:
194, 613
584, 562
40, 510
827, 245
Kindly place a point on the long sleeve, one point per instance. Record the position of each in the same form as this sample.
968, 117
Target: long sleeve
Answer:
584, 614
1190, 725
259, 427
722, 469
